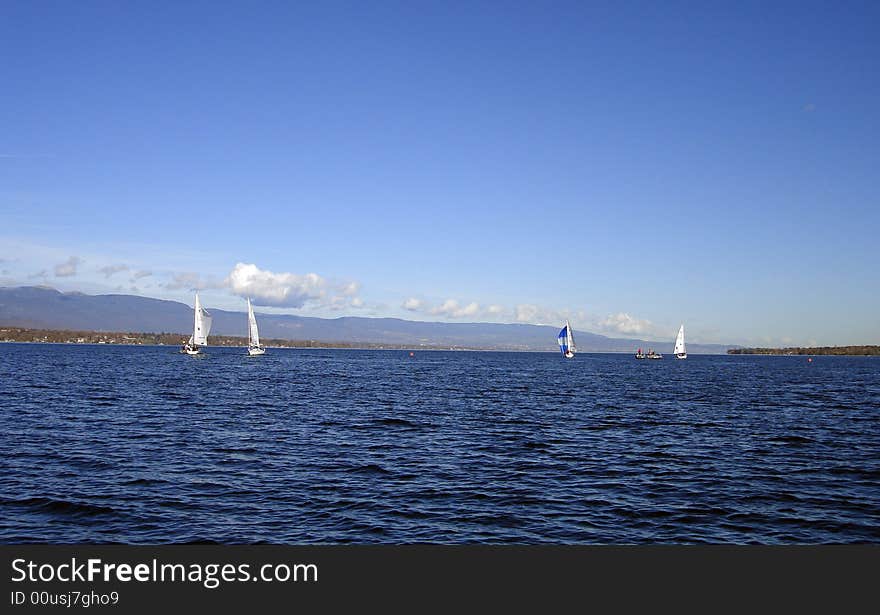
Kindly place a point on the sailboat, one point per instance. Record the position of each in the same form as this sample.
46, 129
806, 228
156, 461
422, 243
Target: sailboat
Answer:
201, 328
254, 348
566, 341
680, 352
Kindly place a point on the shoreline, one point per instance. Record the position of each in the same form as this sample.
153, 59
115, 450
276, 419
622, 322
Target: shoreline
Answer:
268, 346
25, 335
818, 351
77, 337
352, 347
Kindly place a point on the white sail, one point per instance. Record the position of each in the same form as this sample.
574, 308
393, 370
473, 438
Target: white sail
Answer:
571, 345
202, 325
206, 323
197, 323
679, 342
253, 334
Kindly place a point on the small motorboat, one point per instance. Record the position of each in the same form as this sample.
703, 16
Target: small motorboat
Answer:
648, 355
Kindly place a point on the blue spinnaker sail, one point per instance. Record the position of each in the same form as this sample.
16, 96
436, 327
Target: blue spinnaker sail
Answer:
563, 340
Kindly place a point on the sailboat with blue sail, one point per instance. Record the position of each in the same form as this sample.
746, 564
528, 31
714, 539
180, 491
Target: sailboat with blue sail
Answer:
566, 341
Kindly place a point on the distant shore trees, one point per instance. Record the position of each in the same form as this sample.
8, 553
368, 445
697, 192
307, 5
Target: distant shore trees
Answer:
823, 350
51, 336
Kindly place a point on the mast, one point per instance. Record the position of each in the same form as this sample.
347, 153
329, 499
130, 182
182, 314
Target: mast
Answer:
196, 310
679, 341
570, 336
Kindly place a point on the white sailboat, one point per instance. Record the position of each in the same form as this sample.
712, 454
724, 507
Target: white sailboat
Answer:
201, 327
680, 352
254, 347
566, 341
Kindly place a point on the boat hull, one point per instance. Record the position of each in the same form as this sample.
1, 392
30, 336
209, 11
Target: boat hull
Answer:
681, 355
256, 352
192, 351
568, 355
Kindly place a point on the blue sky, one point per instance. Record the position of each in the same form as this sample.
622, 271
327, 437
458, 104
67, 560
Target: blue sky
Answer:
628, 165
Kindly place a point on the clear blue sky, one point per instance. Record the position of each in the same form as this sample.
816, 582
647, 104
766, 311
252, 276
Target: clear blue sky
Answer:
629, 165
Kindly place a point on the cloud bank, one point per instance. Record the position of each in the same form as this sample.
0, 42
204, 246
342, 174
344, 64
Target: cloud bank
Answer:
109, 270
451, 309
624, 323
454, 309
68, 267
190, 280
291, 290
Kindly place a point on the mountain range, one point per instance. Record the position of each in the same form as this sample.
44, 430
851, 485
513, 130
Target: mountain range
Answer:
41, 307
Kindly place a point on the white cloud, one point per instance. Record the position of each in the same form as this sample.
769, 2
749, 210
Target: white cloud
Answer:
137, 275
39, 274
351, 289
68, 267
111, 269
451, 309
525, 312
412, 304
624, 323
530, 313
471, 309
334, 303
190, 280
291, 290
538, 315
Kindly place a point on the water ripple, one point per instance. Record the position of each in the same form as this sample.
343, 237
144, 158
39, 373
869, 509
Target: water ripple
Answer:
142, 445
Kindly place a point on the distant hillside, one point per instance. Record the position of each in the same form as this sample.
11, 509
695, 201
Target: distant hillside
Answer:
46, 308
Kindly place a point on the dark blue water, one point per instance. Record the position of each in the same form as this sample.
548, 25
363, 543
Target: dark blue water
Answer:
144, 445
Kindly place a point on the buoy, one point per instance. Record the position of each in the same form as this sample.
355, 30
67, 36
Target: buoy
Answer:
810, 360
412, 355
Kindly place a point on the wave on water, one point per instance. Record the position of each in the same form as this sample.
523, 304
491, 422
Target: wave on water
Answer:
339, 446
60, 507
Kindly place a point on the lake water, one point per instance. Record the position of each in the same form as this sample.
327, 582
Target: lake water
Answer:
144, 445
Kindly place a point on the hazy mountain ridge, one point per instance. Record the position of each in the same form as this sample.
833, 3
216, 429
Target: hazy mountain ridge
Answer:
47, 308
